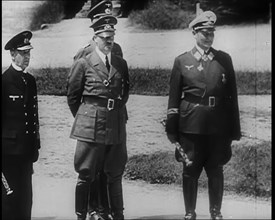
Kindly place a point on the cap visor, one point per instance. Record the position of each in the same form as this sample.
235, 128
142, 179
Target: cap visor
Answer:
104, 33
205, 27
27, 47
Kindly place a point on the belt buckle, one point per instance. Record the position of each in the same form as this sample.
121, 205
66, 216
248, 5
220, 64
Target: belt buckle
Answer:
212, 101
106, 82
110, 104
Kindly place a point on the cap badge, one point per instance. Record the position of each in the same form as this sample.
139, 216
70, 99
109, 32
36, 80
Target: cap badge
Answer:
26, 41
108, 11
107, 26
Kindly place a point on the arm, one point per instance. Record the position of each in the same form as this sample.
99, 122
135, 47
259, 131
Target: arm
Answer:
175, 92
75, 85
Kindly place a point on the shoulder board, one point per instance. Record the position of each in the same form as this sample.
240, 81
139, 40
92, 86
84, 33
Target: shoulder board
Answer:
182, 54
87, 45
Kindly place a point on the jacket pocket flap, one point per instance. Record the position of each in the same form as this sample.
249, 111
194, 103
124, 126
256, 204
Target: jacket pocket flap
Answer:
87, 110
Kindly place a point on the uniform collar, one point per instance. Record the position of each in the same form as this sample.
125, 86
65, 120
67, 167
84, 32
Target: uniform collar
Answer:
102, 55
199, 53
18, 68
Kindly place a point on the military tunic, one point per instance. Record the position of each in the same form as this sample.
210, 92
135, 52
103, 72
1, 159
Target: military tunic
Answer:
95, 123
20, 140
203, 95
97, 98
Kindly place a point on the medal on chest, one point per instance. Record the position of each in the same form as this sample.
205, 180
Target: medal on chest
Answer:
223, 78
200, 67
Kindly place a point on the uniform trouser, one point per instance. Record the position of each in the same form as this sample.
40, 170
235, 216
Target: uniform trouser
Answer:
210, 152
18, 173
90, 159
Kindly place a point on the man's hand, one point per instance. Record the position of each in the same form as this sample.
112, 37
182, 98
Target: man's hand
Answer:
172, 138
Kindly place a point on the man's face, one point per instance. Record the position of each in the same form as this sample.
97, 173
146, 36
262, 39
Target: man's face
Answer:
204, 38
104, 43
21, 58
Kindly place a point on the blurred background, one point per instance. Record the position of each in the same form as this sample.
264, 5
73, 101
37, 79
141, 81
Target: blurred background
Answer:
152, 14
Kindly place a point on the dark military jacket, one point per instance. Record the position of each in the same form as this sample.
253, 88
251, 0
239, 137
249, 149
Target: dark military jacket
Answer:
95, 123
20, 125
203, 95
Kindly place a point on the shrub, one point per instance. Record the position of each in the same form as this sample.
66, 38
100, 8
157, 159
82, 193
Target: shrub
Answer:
144, 81
248, 172
47, 13
253, 82
154, 168
51, 81
161, 15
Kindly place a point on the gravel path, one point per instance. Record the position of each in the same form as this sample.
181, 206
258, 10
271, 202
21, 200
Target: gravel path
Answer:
54, 177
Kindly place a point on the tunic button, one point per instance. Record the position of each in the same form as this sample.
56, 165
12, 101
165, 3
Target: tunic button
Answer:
34, 114
34, 132
85, 112
24, 106
26, 123
26, 113
27, 132
34, 123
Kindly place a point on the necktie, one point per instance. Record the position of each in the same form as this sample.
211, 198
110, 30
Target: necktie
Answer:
107, 63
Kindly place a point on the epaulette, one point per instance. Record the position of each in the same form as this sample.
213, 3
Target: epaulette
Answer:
87, 45
182, 54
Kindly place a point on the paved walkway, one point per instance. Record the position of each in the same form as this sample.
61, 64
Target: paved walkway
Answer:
54, 200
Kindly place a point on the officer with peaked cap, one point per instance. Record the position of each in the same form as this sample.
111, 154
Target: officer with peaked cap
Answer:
203, 113
103, 8
98, 89
98, 204
20, 129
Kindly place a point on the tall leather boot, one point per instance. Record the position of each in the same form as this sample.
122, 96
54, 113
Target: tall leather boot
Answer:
116, 198
103, 197
81, 198
215, 190
190, 189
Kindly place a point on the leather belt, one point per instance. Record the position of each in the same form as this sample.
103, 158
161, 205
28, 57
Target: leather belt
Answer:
110, 104
210, 101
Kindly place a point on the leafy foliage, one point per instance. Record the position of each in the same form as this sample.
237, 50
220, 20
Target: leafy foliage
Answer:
171, 14
248, 172
161, 15
144, 81
47, 13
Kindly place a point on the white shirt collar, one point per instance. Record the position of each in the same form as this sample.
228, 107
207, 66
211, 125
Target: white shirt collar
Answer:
102, 55
18, 68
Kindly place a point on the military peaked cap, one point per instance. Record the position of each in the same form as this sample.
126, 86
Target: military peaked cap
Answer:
20, 41
102, 8
104, 24
206, 19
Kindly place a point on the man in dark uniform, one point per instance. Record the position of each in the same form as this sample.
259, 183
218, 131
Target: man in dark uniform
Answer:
203, 113
98, 205
20, 130
98, 89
